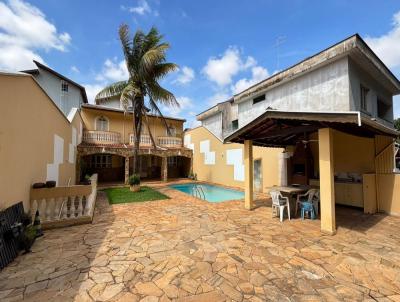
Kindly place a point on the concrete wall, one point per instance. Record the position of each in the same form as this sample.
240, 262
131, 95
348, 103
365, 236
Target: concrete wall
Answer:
37, 142
324, 89
214, 124
52, 85
351, 154
358, 77
223, 164
112, 103
123, 124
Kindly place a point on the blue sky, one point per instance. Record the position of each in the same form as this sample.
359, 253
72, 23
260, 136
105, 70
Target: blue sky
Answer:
220, 46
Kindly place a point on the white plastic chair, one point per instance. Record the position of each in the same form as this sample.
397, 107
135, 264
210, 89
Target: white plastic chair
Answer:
312, 196
279, 201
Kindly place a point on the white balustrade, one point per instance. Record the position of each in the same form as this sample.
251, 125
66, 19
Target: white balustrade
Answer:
145, 140
101, 137
64, 203
170, 141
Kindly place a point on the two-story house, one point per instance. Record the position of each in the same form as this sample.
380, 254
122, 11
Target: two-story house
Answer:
326, 120
107, 146
64, 92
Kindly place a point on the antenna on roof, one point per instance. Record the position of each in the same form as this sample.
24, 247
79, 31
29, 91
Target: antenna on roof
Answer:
278, 42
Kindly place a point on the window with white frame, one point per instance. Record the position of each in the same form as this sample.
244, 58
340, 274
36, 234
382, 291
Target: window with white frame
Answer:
102, 123
64, 87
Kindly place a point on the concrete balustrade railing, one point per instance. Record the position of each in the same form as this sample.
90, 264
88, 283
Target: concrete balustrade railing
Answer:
101, 137
64, 206
170, 141
145, 140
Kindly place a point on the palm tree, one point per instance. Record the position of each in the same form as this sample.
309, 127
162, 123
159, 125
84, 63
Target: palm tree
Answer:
145, 58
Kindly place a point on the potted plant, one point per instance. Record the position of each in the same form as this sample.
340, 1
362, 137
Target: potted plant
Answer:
134, 182
87, 180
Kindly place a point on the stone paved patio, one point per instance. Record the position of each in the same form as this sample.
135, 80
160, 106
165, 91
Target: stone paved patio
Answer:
190, 250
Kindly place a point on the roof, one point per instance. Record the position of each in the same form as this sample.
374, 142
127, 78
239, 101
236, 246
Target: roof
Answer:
340, 49
104, 108
40, 65
282, 128
212, 110
353, 44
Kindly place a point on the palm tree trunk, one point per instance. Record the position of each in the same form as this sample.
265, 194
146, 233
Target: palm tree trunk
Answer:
137, 130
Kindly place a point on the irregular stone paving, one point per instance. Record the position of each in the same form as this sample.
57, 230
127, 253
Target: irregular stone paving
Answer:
184, 249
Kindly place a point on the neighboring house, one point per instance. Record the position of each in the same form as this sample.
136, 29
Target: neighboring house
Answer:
37, 141
107, 146
344, 84
65, 93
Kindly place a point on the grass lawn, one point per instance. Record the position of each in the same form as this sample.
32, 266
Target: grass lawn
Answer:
123, 195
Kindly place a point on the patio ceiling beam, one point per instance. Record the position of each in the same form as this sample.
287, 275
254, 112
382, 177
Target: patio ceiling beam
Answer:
290, 131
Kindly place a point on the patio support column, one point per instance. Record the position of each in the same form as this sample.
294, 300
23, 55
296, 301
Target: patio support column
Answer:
164, 169
248, 177
126, 169
327, 181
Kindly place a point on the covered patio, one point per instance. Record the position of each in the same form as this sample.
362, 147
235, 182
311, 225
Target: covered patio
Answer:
286, 130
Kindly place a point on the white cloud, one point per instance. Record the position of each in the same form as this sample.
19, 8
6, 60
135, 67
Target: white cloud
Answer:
185, 103
113, 71
24, 31
387, 46
142, 8
186, 75
92, 90
258, 74
221, 70
75, 69
218, 97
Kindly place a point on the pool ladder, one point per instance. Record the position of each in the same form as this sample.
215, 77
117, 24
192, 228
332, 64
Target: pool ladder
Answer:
197, 191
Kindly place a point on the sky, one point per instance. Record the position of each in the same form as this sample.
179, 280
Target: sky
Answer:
221, 47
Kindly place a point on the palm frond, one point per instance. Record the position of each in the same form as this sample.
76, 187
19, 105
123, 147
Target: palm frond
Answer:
161, 95
154, 108
125, 41
161, 70
128, 95
112, 90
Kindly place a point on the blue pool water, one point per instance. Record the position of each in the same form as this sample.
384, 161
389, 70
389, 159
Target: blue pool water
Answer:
212, 193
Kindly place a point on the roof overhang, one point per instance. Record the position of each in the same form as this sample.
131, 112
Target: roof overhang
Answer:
285, 128
121, 111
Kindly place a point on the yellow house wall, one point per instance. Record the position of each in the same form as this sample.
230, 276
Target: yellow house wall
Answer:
350, 153
221, 172
28, 122
389, 193
118, 122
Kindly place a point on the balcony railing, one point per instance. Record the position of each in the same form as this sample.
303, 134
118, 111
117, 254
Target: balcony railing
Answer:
101, 137
162, 141
170, 141
145, 140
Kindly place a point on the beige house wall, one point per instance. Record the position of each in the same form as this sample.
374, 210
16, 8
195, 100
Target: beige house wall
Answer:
124, 125
29, 121
221, 172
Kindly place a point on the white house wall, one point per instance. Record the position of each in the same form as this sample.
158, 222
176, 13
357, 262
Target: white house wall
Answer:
214, 124
324, 89
235, 157
209, 156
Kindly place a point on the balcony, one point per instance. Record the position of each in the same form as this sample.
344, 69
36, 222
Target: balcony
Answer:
162, 141
169, 141
102, 137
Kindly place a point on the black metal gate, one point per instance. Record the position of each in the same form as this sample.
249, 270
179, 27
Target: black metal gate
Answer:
8, 243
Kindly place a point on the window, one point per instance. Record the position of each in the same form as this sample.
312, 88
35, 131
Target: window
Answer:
384, 109
172, 131
235, 125
64, 87
101, 123
259, 99
101, 161
363, 97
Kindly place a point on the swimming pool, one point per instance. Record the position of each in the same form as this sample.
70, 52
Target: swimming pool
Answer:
212, 193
